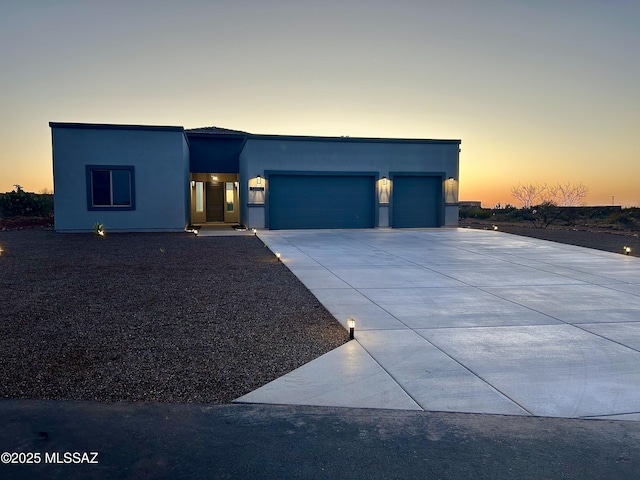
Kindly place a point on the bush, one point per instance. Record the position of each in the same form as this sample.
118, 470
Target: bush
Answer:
25, 204
475, 212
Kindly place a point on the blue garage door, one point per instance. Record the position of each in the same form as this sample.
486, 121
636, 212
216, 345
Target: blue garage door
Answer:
416, 202
321, 201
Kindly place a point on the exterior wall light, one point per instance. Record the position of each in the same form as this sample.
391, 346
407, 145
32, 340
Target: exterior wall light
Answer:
193, 183
384, 181
258, 180
451, 181
214, 177
278, 255
627, 249
351, 323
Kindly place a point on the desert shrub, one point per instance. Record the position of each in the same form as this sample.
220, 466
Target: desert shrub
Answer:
475, 212
25, 204
623, 218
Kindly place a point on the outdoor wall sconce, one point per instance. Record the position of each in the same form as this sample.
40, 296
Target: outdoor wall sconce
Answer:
451, 181
193, 183
214, 177
237, 184
384, 181
278, 255
258, 180
351, 323
627, 249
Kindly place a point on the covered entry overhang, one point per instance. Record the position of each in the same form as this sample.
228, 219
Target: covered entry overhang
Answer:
214, 179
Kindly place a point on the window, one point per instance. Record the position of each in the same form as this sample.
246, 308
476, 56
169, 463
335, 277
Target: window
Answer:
199, 197
110, 188
229, 196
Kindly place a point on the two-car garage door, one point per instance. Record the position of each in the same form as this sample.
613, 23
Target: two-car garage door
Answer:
349, 201
321, 201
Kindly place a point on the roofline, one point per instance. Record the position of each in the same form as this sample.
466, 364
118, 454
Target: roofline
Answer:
215, 135
303, 138
109, 126
351, 139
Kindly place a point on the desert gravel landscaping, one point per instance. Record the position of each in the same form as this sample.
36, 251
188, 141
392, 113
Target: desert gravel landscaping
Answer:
163, 317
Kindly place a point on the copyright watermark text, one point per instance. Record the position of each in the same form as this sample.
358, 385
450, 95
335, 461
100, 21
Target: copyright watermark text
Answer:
49, 457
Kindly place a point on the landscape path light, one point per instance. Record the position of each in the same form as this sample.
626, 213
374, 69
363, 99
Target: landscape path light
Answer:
351, 323
278, 255
627, 249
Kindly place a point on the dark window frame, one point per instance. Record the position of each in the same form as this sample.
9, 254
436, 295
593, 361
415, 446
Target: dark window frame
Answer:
111, 205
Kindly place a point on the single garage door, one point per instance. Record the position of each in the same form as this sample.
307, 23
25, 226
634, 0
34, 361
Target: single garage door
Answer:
416, 201
321, 201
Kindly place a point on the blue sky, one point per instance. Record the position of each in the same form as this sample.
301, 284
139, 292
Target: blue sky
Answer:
538, 91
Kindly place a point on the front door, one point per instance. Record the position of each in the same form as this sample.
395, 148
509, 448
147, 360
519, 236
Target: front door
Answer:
215, 202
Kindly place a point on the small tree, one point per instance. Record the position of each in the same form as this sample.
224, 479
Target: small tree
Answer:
544, 214
568, 194
529, 194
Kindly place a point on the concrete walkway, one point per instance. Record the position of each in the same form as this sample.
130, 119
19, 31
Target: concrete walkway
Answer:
462, 320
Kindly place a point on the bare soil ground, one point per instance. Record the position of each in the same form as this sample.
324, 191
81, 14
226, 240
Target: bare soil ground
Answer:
151, 317
590, 237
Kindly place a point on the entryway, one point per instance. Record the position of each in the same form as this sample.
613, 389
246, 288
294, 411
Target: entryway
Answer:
215, 198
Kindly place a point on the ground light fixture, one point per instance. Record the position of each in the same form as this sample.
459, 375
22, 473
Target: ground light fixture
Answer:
278, 255
627, 249
495, 227
1, 251
351, 323
255, 231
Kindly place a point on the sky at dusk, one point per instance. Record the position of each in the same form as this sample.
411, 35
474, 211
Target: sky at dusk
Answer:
538, 91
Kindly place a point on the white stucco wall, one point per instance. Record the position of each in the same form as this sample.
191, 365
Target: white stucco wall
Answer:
264, 153
160, 157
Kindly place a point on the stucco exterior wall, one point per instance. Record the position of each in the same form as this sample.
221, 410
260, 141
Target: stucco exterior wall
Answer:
160, 157
262, 154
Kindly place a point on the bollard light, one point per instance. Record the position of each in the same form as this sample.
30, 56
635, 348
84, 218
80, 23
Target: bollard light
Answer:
627, 249
255, 231
351, 323
278, 255
495, 228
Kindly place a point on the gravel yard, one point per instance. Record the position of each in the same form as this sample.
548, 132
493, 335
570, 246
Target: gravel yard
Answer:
166, 317
151, 317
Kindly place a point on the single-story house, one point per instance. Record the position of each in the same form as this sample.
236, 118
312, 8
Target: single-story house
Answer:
165, 178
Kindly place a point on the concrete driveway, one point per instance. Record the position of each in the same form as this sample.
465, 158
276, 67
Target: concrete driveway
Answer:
464, 320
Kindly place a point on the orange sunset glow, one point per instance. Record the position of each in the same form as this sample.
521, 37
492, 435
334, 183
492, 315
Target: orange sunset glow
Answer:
536, 91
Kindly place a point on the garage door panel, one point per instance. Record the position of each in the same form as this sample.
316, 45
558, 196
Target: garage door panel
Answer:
416, 201
321, 201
